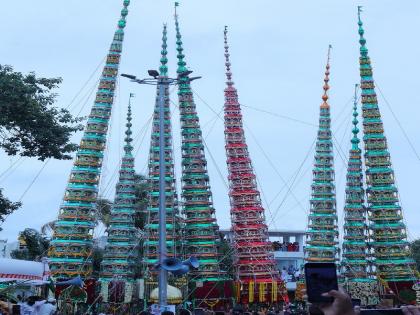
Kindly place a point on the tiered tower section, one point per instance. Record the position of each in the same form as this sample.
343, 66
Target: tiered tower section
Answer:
254, 261
322, 233
355, 244
201, 229
391, 253
174, 222
356, 255
120, 252
71, 247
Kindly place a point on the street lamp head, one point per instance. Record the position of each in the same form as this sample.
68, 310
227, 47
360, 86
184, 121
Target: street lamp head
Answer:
153, 73
185, 73
194, 78
129, 76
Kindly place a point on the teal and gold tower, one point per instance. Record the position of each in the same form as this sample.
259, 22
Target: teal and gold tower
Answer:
355, 262
355, 244
322, 233
174, 223
70, 251
120, 253
201, 229
388, 231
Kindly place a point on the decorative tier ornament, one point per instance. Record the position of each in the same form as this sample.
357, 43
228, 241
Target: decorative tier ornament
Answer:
389, 236
121, 250
322, 233
355, 262
255, 267
71, 246
174, 223
201, 229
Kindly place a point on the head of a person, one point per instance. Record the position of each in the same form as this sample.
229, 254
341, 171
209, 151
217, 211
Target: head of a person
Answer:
167, 313
31, 300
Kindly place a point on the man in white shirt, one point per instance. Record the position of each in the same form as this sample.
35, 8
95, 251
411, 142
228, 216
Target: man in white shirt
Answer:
45, 307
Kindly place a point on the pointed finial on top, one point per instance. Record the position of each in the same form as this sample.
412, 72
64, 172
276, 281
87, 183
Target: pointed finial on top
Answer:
163, 69
362, 40
227, 58
326, 87
182, 65
355, 140
176, 5
128, 148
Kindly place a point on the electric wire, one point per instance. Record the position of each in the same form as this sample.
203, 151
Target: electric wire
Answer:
410, 143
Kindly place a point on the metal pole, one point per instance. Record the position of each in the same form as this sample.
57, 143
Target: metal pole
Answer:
163, 274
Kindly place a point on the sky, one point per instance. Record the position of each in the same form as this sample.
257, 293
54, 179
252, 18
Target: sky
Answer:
278, 53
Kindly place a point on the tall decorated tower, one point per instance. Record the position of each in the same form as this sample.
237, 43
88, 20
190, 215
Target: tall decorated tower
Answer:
71, 246
201, 229
256, 272
174, 221
322, 233
389, 235
355, 262
121, 251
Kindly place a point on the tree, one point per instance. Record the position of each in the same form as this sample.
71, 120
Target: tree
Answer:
97, 257
33, 246
415, 251
226, 255
29, 123
103, 210
6, 207
142, 200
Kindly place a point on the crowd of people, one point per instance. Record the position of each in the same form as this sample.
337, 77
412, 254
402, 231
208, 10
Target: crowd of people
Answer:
341, 305
286, 246
33, 305
291, 274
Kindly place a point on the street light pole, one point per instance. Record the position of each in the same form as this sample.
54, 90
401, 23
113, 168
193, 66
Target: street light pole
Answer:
162, 82
163, 274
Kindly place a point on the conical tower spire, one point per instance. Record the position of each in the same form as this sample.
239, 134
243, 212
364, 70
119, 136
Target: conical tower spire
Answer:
71, 247
355, 245
391, 253
322, 233
356, 263
174, 222
255, 267
120, 253
201, 229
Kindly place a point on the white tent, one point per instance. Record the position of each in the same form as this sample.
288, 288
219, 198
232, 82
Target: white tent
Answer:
24, 271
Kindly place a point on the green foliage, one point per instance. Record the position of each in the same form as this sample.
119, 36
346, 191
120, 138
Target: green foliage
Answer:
415, 252
34, 246
103, 207
6, 207
226, 256
97, 257
142, 194
29, 123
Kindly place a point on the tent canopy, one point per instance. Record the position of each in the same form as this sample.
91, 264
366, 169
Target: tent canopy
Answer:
24, 271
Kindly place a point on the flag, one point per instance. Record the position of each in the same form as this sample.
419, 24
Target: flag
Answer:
132, 95
176, 3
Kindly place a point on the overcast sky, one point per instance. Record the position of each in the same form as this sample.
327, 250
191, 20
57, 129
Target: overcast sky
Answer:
278, 52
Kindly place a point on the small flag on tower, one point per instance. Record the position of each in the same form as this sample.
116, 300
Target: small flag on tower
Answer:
176, 3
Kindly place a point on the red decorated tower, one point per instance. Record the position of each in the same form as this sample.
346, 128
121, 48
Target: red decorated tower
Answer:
256, 272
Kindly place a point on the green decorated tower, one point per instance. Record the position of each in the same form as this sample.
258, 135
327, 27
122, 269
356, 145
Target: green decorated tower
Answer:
388, 231
201, 229
118, 264
70, 252
322, 233
355, 261
174, 223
